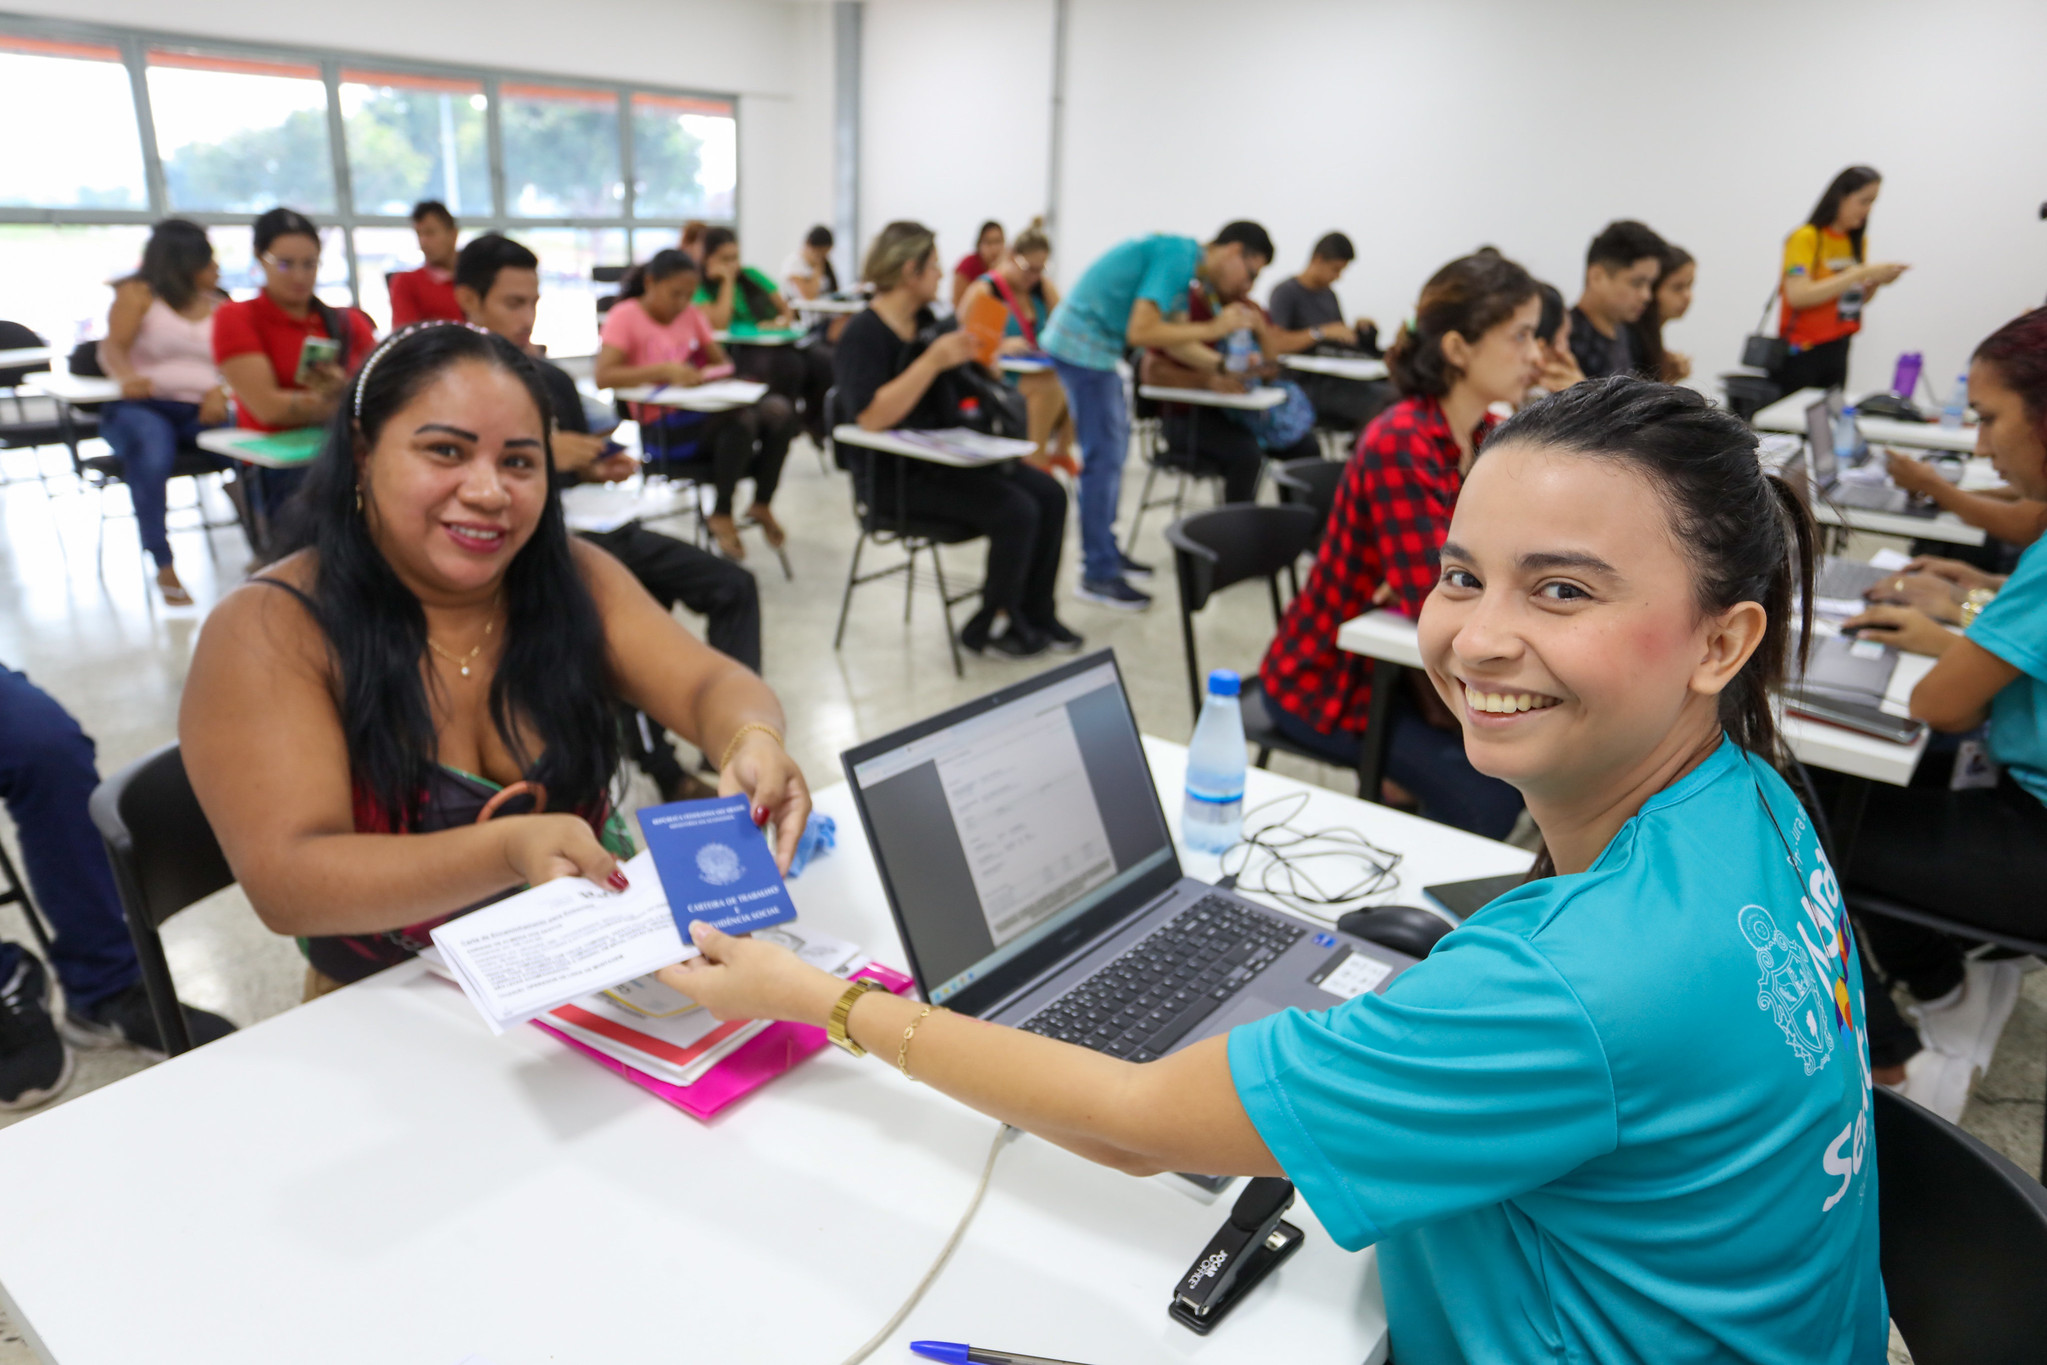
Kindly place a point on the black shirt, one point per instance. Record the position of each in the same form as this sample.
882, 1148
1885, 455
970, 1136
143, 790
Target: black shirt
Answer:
1600, 355
562, 393
869, 355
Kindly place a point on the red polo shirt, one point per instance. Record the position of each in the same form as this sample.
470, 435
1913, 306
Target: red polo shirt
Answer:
423, 295
259, 326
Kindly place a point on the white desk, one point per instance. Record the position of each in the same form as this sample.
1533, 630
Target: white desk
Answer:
1252, 400
893, 443
719, 395
601, 507
1342, 366
374, 1177
1946, 527
75, 389
1022, 364
19, 356
827, 307
774, 337
1390, 636
1788, 414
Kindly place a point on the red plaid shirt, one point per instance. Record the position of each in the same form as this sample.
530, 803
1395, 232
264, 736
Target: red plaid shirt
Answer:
1392, 512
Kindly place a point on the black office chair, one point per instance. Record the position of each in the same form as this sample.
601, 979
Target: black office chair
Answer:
25, 427
913, 535
1225, 546
1310, 483
1964, 1236
165, 858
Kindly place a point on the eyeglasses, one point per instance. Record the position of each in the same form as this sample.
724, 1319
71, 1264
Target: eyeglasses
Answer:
309, 266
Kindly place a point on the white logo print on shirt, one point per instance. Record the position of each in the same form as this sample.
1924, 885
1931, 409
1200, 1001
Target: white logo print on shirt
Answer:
1789, 989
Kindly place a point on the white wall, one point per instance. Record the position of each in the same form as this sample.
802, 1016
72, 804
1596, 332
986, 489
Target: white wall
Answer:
774, 54
955, 115
1426, 130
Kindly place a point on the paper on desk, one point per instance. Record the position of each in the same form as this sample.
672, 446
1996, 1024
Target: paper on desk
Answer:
967, 444
560, 940
738, 392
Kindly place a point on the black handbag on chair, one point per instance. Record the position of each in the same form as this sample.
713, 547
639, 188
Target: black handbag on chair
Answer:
1760, 350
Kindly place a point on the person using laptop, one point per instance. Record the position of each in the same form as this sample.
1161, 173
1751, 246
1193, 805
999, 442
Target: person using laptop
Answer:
1526, 1123
416, 710
2001, 513
1978, 855
1621, 267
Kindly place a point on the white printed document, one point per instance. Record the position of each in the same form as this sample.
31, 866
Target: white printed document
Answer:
966, 444
559, 941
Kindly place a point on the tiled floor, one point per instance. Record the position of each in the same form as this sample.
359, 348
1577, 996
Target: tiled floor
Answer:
88, 631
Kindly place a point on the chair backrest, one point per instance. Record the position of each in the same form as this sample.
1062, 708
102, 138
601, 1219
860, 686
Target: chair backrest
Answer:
1226, 545
1310, 482
15, 336
1964, 1241
165, 858
608, 274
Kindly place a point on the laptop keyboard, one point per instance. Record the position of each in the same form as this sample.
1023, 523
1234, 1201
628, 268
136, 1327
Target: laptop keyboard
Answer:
1845, 578
1152, 995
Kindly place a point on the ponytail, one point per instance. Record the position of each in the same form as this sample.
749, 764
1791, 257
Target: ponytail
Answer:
663, 264
1470, 296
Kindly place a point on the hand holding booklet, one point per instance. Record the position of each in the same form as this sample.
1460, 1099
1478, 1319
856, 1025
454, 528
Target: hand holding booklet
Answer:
557, 942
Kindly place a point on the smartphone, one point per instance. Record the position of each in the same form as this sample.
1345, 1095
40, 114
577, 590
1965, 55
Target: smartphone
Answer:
316, 351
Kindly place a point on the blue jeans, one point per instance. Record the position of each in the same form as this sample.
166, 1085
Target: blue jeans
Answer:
146, 434
1101, 420
1429, 762
46, 776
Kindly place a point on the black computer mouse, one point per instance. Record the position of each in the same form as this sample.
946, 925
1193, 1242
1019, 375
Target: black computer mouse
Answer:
1403, 928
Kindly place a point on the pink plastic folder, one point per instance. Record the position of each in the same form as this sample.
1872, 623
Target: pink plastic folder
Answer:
777, 1048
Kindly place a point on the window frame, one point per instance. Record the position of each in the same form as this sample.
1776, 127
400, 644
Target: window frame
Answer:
134, 45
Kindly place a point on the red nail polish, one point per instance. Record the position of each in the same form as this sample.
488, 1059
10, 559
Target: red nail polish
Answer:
760, 815
617, 880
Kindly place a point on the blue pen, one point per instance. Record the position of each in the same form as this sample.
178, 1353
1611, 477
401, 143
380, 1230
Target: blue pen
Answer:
959, 1353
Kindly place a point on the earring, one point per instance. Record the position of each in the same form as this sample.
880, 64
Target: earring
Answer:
358, 499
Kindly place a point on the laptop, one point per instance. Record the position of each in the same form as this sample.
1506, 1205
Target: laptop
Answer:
1825, 467
1033, 879
1844, 683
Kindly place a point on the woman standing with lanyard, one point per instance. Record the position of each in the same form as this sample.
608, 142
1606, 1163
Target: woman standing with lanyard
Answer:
1525, 1123
159, 346
1825, 283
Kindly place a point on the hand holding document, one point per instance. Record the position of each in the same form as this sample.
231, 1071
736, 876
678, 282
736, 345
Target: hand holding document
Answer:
560, 940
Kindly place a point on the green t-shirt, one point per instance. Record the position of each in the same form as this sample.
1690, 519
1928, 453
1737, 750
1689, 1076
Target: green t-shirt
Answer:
742, 307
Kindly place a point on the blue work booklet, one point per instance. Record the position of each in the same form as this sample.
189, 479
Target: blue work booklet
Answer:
715, 865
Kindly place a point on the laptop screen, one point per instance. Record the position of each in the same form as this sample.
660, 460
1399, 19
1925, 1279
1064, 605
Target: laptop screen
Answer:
1819, 436
1005, 821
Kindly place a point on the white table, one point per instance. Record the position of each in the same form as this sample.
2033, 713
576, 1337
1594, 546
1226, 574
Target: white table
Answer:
1022, 364
827, 307
1944, 527
75, 389
1342, 366
19, 356
601, 507
1788, 414
374, 1177
727, 337
893, 443
1251, 400
719, 395
1390, 636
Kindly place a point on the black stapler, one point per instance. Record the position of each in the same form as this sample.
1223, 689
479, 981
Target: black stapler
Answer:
1249, 1247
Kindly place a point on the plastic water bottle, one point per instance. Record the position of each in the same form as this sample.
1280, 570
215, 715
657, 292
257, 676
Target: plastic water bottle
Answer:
1957, 405
1213, 818
1847, 437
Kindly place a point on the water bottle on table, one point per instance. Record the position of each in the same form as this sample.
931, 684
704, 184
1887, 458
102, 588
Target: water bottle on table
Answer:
1849, 447
1213, 818
1957, 406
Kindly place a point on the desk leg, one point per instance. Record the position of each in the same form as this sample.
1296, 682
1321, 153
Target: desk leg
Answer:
1378, 719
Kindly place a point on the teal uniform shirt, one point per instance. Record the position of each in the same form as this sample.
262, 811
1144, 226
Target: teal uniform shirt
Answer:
2014, 628
1621, 1115
1091, 322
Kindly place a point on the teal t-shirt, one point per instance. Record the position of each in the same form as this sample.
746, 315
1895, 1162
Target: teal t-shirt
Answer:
1621, 1115
2014, 628
1092, 320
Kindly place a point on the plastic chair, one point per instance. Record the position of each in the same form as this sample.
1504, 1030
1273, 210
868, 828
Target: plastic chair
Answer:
1964, 1241
165, 858
14, 891
22, 428
1310, 483
102, 472
914, 535
1228, 545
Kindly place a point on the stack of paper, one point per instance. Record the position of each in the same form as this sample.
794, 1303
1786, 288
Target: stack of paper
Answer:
558, 941
965, 443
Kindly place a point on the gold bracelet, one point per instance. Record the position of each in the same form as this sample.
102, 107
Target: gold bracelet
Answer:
903, 1051
739, 734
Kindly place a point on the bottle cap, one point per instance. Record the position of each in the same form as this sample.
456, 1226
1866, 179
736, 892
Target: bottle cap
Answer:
1224, 683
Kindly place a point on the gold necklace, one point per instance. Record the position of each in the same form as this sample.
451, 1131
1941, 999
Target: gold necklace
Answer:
469, 658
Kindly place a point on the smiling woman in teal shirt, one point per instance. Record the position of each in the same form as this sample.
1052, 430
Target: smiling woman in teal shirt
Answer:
1622, 1113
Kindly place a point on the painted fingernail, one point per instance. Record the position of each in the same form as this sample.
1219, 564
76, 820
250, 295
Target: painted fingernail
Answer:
617, 880
760, 815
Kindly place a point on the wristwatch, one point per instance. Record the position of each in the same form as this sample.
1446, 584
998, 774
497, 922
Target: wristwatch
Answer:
1315, 332
1973, 604
835, 1026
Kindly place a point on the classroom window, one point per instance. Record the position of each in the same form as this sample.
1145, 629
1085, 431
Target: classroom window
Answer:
239, 135
561, 152
685, 157
566, 323
94, 160
65, 297
415, 137
378, 252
